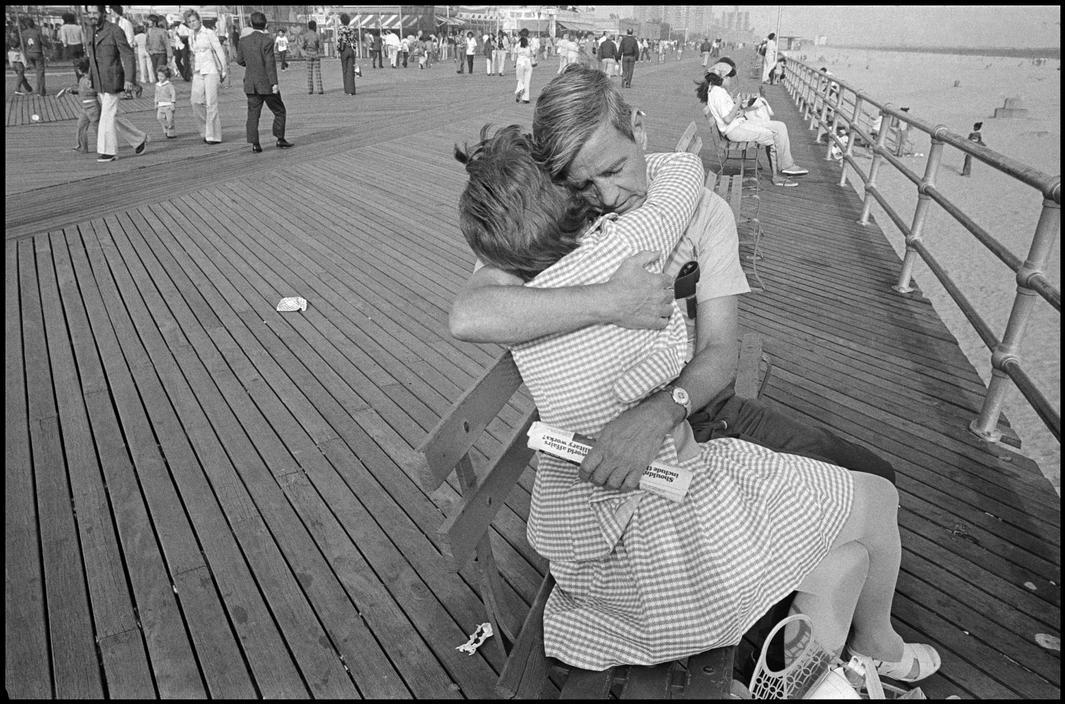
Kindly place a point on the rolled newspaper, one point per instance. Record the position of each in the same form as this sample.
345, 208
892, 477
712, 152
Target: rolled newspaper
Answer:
661, 479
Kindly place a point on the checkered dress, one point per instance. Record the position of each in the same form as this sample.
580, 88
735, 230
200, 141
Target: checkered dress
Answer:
640, 579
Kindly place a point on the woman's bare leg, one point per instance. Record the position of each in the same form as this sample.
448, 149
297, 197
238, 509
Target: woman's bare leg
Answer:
849, 583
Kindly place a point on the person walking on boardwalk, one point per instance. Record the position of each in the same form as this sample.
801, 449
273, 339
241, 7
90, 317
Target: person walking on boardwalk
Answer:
18, 63
255, 53
503, 48
375, 50
471, 52
209, 69
33, 51
769, 56
629, 50
281, 48
974, 136
523, 66
158, 44
110, 62
311, 45
349, 62
71, 36
89, 121
165, 101
119, 18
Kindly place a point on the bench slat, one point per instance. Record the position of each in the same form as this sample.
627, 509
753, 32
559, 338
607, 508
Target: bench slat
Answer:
648, 682
687, 139
472, 516
588, 684
710, 674
460, 429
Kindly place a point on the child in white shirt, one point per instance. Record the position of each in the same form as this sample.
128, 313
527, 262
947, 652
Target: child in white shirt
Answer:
165, 101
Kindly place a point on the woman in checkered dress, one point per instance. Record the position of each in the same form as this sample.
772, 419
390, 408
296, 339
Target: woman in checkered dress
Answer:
641, 579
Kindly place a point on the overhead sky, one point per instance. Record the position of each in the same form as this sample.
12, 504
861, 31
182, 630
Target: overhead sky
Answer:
1019, 26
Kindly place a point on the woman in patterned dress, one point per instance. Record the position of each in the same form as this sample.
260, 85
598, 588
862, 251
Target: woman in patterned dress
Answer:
641, 579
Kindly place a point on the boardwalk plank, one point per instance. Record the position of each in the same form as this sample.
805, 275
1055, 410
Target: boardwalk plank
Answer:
158, 613
260, 461
124, 656
26, 662
338, 419
158, 514
265, 651
71, 638
245, 490
372, 599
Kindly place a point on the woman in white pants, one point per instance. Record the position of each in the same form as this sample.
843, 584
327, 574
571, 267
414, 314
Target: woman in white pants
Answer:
208, 72
747, 123
523, 61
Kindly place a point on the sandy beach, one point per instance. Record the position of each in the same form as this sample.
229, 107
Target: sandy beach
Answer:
1004, 207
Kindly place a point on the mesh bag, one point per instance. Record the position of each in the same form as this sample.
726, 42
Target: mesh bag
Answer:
805, 662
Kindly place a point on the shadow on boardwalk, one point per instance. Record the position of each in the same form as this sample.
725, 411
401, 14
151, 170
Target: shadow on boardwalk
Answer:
207, 497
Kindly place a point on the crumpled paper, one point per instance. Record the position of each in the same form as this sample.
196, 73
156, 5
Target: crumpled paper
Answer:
477, 638
286, 305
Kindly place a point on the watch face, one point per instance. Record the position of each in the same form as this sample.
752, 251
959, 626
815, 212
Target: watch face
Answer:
680, 396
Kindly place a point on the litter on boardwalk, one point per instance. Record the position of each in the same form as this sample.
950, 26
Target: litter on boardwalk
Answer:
483, 633
292, 303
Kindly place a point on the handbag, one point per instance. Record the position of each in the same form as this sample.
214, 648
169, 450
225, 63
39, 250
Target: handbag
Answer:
811, 672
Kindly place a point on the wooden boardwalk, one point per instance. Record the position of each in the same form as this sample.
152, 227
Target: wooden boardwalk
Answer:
207, 497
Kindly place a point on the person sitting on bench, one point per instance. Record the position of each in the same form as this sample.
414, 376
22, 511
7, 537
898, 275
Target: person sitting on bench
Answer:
736, 124
641, 579
591, 139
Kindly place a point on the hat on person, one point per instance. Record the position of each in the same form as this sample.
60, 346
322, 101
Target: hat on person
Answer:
725, 69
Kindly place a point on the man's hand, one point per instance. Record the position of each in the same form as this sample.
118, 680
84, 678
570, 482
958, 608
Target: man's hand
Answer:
627, 445
128, 86
642, 300
274, 89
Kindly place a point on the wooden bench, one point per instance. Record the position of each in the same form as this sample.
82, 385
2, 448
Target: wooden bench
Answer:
465, 536
731, 187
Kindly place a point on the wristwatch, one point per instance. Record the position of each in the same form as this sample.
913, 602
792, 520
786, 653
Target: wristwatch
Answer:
681, 398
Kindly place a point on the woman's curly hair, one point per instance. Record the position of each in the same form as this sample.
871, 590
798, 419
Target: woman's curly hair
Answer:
512, 214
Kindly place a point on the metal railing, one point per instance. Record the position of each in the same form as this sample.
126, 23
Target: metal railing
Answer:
830, 103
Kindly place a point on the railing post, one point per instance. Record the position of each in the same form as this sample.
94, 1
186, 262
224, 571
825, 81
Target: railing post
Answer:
831, 129
874, 168
849, 151
920, 212
1007, 351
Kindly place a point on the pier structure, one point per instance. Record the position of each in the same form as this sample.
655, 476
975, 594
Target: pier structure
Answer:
207, 497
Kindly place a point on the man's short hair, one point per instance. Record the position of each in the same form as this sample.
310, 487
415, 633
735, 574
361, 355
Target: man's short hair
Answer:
117, 9
345, 18
191, 13
571, 107
258, 20
511, 213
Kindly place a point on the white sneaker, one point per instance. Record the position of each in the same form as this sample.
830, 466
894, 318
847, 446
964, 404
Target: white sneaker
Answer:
795, 171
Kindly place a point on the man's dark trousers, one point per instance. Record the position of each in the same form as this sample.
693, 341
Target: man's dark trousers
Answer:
255, 109
628, 62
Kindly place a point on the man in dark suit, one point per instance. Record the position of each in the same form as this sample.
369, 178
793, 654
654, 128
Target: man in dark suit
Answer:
629, 50
255, 53
110, 71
